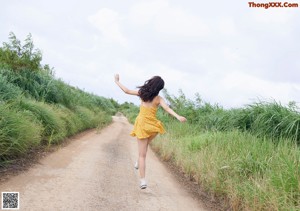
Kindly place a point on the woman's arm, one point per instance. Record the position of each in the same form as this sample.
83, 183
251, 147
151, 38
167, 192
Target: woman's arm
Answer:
125, 89
170, 111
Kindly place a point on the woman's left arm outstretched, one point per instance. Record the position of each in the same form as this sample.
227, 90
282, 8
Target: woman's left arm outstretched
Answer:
164, 105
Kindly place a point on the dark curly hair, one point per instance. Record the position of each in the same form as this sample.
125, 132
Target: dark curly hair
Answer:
151, 88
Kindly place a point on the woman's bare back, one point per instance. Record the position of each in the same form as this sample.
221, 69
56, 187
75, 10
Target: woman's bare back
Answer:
154, 103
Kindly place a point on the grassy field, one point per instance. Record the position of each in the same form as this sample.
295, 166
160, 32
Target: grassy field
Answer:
37, 109
250, 155
253, 173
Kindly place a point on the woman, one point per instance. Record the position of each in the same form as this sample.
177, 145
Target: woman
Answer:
146, 125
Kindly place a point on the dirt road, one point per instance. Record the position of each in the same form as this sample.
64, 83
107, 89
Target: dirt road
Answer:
95, 172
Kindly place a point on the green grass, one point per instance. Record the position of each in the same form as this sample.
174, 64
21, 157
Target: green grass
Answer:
72, 121
253, 173
275, 120
54, 129
19, 131
8, 91
248, 155
26, 124
262, 119
86, 116
38, 109
130, 111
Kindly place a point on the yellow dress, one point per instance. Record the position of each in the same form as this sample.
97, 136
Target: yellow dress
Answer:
146, 124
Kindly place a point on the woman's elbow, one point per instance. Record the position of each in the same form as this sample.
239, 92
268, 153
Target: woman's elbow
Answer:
168, 109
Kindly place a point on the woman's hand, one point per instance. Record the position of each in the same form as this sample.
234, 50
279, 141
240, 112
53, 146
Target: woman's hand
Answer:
117, 78
181, 119
124, 88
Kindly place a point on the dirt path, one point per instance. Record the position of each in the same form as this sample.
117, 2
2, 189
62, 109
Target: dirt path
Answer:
95, 172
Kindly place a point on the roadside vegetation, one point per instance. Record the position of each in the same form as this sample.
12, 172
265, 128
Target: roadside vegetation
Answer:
250, 156
37, 109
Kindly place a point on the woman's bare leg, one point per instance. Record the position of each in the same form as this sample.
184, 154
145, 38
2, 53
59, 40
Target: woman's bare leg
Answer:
149, 141
143, 146
151, 138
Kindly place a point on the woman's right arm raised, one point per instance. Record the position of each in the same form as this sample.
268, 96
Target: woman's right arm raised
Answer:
125, 89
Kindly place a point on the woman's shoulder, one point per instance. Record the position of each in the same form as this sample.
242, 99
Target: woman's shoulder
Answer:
157, 99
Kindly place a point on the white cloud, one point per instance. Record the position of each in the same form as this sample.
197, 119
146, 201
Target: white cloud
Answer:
30, 16
175, 21
167, 20
171, 74
143, 12
108, 22
227, 26
230, 54
273, 16
242, 87
132, 72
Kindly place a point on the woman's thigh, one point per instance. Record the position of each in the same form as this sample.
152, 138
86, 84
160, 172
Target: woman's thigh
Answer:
142, 146
151, 138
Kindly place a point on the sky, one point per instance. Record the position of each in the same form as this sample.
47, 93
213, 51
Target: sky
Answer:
228, 52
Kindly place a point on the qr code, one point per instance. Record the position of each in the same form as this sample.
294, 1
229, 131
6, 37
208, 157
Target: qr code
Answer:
10, 200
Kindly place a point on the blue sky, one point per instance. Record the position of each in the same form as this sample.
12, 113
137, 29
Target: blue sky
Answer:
227, 52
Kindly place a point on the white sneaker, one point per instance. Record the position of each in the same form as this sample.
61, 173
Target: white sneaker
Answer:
136, 165
143, 184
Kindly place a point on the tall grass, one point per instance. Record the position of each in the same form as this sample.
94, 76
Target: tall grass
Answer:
87, 117
274, 120
19, 130
26, 124
248, 155
253, 173
53, 126
37, 108
72, 121
8, 91
263, 119
42, 86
